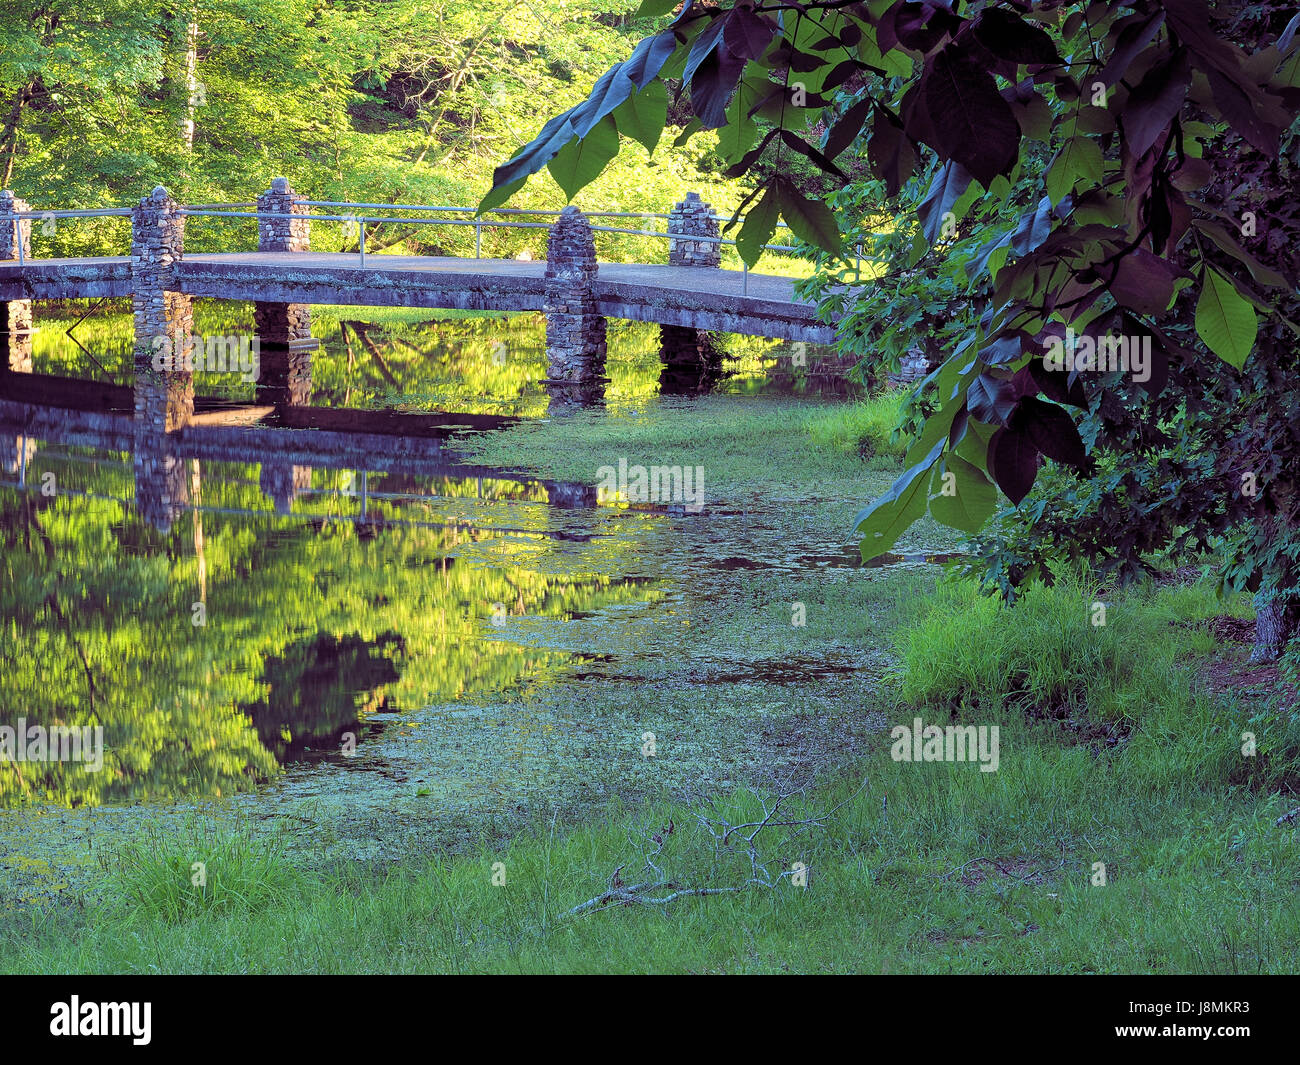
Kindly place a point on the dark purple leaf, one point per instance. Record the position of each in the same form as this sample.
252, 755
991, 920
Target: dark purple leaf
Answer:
796, 143
1238, 109
1155, 101
1051, 430
714, 82
1008, 36
1138, 31
890, 151
1143, 282
705, 45
1053, 384
922, 26
748, 33
847, 127
1013, 463
972, 122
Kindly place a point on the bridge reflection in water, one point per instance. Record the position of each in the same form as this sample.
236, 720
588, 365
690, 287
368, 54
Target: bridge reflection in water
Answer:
265, 586
287, 441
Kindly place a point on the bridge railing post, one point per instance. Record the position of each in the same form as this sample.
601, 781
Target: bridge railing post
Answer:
575, 332
164, 354
692, 217
15, 315
15, 233
284, 335
690, 358
164, 357
283, 234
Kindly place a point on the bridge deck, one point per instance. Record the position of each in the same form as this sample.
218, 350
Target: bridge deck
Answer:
698, 297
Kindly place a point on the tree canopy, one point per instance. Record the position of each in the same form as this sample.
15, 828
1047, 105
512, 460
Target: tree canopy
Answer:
1092, 233
400, 101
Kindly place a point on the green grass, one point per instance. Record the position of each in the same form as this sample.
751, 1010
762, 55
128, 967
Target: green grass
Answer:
1068, 646
196, 870
865, 427
931, 867
1129, 679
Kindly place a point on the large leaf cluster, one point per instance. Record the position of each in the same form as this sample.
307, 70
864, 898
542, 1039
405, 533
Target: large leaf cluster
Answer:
1139, 109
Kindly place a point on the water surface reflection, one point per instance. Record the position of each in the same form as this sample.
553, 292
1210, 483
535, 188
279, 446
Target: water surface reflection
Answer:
289, 588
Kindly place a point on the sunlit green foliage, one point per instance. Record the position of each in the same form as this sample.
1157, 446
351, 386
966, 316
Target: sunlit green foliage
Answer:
869, 427
403, 102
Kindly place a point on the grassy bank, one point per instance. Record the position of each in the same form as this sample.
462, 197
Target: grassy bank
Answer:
784, 448
1111, 751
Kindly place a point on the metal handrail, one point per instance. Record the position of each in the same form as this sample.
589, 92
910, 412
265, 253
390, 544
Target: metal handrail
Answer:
478, 224
90, 212
474, 210
225, 211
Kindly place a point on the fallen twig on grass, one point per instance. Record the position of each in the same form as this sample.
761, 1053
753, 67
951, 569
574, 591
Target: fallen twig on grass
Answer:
724, 835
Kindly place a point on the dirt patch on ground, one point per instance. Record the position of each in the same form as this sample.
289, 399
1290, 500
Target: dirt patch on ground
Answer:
1021, 870
1231, 673
1076, 729
1234, 675
1227, 629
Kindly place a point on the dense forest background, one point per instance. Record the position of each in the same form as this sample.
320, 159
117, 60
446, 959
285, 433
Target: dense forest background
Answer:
395, 101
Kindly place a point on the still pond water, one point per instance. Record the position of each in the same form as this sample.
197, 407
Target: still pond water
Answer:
406, 624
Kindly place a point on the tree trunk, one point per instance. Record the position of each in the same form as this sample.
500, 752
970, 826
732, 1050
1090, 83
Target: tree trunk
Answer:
1276, 619
191, 81
9, 135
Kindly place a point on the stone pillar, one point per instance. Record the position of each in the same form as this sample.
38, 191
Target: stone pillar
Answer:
164, 397
15, 325
284, 329
161, 481
691, 359
570, 495
18, 452
575, 333
15, 315
913, 366
693, 218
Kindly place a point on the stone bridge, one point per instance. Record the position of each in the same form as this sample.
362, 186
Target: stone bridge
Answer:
689, 297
